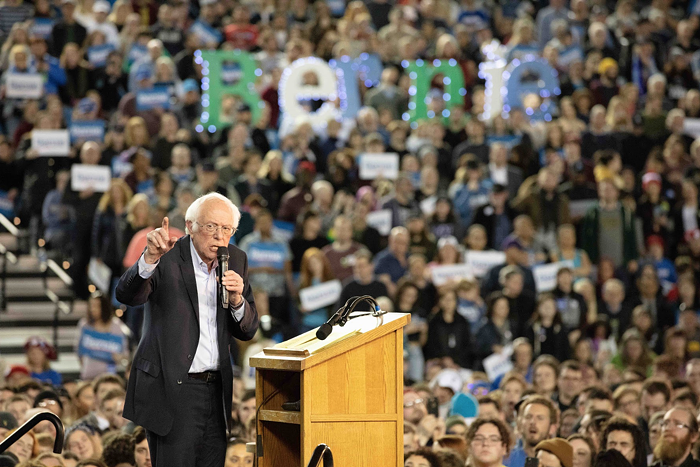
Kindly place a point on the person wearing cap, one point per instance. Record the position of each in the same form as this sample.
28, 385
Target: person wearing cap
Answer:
653, 208
8, 422
555, 452
67, 29
609, 228
605, 87
39, 353
100, 11
496, 216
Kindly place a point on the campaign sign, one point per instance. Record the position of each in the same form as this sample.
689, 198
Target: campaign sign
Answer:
283, 229
24, 85
580, 207
95, 177
42, 27
100, 274
97, 54
380, 220
443, 274
87, 130
317, 296
100, 345
498, 364
546, 276
272, 255
482, 261
7, 206
206, 33
373, 165
136, 52
51, 142
156, 97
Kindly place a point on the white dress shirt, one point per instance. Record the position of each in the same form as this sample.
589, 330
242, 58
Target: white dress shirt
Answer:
206, 357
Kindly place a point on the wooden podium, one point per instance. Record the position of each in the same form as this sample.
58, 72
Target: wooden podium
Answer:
351, 390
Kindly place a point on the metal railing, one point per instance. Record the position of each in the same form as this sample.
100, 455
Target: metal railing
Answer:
31, 423
8, 258
321, 453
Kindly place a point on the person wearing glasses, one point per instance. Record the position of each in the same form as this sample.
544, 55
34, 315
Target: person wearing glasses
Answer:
679, 431
180, 388
489, 441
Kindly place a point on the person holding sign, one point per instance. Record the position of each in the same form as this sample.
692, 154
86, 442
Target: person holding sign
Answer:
180, 389
315, 270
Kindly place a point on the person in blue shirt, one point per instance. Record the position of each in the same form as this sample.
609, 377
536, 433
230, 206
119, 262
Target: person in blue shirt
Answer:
538, 416
39, 353
665, 268
391, 263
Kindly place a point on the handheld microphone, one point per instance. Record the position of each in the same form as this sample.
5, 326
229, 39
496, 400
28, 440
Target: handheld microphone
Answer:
222, 258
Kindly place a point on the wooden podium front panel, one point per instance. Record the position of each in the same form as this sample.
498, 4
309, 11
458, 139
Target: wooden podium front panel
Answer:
357, 444
361, 381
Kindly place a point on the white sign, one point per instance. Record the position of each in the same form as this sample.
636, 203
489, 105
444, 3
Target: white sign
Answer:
443, 274
546, 275
373, 165
691, 126
100, 274
482, 261
51, 142
380, 220
318, 296
498, 364
97, 178
24, 86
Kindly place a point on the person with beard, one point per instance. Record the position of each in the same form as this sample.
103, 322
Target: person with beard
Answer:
679, 432
538, 421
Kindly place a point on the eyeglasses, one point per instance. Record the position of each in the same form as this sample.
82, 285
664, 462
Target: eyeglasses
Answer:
408, 405
483, 439
213, 228
673, 425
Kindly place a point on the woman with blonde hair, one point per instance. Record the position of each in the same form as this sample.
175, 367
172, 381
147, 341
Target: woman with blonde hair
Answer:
617, 116
120, 12
25, 448
136, 133
315, 270
19, 35
272, 169
522, 42
138, 213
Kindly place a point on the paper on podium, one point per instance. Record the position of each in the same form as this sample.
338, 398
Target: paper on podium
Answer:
307, 343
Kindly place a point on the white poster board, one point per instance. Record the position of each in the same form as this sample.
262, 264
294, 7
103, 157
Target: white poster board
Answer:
51, 142
24, 86
443, 274
380, 220
498, 364
373, 165
98, 178
546, 275
100, 274
482, 261
317, 296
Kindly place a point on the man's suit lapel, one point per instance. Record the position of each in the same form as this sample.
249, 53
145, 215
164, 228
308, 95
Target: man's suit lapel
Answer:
188, 273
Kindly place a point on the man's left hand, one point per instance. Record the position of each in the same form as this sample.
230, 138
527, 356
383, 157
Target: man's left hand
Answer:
234, 284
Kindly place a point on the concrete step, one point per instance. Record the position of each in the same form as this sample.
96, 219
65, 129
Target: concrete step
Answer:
15, 337
9, 241
32, 289
40, 314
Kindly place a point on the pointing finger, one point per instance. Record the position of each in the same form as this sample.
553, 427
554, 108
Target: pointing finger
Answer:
164, 225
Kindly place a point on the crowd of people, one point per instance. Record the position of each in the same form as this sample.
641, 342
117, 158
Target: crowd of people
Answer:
597, 366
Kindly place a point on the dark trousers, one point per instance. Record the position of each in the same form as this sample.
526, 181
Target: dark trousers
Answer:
198, 435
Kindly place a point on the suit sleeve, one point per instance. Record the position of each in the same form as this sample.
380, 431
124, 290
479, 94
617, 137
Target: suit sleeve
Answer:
133, 289
244, 328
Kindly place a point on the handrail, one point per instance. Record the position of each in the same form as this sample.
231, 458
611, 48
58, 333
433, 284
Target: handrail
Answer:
60, 273
31, 423
321, 453
5, 222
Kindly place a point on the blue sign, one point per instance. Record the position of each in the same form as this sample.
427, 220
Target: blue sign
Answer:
87, 130
97, 54
284, 229
7, 206
42, 27
100, 345
271, 255
136, 52
337, 7
206, 33
531, 76
156, 97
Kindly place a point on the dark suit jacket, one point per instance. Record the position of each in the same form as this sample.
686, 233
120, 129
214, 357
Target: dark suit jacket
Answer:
171, 334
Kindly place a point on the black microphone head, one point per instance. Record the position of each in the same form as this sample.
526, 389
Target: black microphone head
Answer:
222, 252
324, 331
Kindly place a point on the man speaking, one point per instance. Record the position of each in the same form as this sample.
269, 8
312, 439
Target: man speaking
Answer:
180, 387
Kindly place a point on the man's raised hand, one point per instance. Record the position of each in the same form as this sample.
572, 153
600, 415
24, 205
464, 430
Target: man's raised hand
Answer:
158, 243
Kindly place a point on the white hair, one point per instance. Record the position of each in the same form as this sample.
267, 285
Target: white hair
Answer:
656, 77
193, 211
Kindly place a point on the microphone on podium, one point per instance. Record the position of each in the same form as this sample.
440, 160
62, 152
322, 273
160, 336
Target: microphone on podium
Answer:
222, 258
342, 316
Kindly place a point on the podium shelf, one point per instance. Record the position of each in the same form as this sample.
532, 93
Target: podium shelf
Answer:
280, 416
